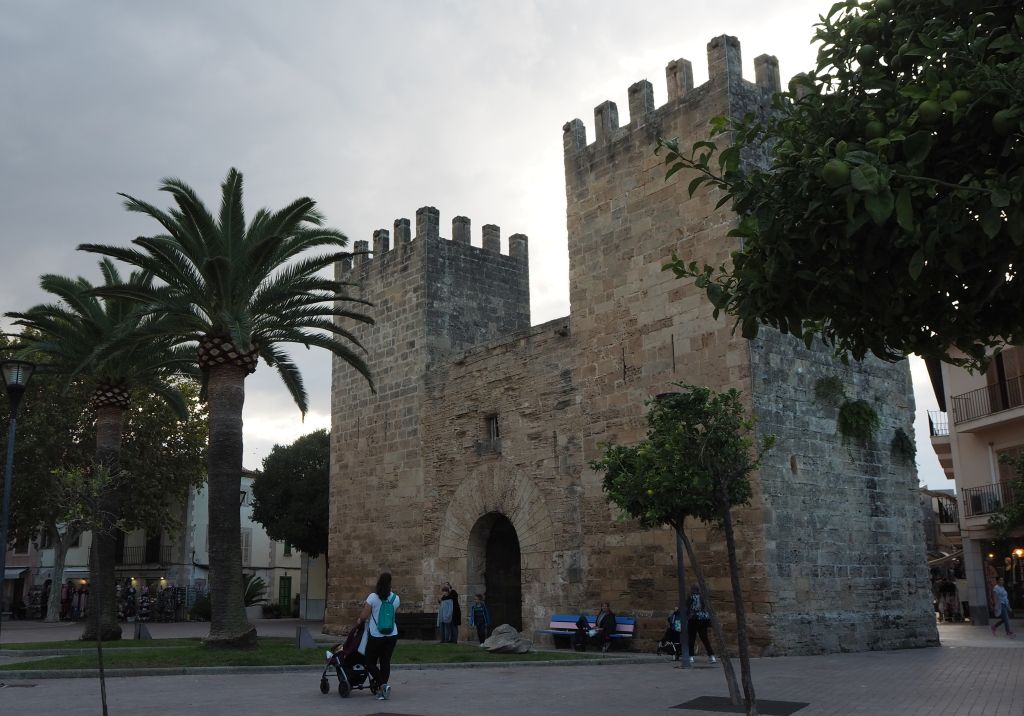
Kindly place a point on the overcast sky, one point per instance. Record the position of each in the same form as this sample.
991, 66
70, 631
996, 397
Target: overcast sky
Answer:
373, 109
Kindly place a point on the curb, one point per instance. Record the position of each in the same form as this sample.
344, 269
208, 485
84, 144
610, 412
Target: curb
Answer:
299, 668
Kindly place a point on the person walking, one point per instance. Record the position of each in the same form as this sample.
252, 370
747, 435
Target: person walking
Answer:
480, 617
1002, 600
697, 620
444, 615
379, 617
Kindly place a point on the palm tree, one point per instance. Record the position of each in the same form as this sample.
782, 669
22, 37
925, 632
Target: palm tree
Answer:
239, 292
87, 337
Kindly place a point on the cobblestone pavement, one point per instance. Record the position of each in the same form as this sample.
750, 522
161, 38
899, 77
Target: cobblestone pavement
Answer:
973, 674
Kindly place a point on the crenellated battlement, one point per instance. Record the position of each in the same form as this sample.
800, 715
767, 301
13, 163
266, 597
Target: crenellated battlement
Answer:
725, 75
428, 229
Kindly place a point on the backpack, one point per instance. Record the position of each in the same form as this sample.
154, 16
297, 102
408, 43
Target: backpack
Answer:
386, 616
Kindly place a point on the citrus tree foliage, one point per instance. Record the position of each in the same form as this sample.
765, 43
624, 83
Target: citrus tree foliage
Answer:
290, 495
161, 460
695, 460
889, 216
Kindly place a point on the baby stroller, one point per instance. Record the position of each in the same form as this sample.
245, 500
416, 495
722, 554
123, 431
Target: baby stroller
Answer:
348, 665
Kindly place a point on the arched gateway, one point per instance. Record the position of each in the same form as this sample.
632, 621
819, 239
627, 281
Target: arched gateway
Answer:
498, 539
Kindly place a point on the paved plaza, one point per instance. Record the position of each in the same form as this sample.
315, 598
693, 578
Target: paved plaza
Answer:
973, 674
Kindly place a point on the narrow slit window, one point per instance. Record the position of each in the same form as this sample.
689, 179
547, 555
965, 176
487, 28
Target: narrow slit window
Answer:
493, 431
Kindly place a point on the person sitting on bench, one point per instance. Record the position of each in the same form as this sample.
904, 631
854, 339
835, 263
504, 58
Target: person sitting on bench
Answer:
604, 627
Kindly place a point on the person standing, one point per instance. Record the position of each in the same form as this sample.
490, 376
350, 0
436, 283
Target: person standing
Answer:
480, 617
697, 620
1002, 600
379, 617
456, 613
669, 643
444, 615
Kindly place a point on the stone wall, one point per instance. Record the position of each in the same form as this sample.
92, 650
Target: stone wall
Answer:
432, 298
831, 546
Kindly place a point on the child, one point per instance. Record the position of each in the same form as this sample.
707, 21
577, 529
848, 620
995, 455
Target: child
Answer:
480, 617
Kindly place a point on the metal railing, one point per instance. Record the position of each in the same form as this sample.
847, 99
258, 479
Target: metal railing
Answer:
140, 554
949, 513
984, 500
938, 424
990, 399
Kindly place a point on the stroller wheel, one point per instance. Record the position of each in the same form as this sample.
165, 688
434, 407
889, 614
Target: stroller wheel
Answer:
343, 690
324, 686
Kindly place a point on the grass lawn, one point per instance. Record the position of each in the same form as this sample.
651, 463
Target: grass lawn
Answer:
272, 652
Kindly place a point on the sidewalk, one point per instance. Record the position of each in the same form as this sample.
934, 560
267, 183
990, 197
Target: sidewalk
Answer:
973, 673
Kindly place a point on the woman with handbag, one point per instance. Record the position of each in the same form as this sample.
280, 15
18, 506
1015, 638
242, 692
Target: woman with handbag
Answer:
697, 620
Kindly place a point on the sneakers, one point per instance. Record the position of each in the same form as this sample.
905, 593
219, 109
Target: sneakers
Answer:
712, 659
691, 659
385, 692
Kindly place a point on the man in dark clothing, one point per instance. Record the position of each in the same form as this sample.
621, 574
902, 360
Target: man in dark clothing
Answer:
604, 626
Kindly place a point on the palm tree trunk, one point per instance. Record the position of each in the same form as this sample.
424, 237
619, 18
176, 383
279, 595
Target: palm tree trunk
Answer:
226, 395
102, 622
716, 624
741, 612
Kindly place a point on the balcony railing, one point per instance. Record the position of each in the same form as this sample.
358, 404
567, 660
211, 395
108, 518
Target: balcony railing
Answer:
984, 500
990, 399
142, 554
938, 424
949, 514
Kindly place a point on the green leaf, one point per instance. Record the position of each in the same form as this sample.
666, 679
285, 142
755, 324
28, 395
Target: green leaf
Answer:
904, 210
879, 206
864, 178
916, 147
992, 222
1000, 197
916, 265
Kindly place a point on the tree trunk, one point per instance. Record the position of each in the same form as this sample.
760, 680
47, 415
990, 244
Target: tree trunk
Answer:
102, 622
226, 396
61, 543
684, 636
716, 625
741, 612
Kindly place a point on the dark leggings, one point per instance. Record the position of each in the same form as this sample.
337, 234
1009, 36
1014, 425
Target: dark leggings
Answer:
481, 632
380, 649
696, 627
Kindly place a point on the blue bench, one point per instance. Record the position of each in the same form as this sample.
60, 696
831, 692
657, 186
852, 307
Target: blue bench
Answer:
564, 625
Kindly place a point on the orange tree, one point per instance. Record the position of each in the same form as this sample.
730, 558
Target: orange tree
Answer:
887, 214
695, 462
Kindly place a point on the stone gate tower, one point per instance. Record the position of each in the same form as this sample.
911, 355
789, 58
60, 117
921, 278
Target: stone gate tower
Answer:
469, 465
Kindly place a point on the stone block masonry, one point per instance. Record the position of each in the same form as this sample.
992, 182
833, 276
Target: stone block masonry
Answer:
469, 464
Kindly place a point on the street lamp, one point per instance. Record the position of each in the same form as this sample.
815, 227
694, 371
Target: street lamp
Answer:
16, 375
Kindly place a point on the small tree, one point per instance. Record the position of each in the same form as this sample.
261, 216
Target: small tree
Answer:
890, 215
696, 461
290, 495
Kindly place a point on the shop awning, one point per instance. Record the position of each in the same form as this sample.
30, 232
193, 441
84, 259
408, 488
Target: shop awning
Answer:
15, 572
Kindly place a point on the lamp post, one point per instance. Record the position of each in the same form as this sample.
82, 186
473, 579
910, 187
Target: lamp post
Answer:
16, 375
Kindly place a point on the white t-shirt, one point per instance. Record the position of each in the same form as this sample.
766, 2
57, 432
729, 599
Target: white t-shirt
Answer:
374, 601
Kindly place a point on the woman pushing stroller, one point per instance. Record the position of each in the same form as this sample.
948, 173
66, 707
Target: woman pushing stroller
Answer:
381, 633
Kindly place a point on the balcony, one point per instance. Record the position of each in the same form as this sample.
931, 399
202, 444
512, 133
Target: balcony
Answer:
949, 513
984, 500
938, 424
988, 400
146, 554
